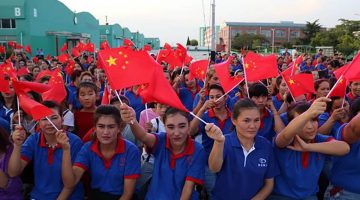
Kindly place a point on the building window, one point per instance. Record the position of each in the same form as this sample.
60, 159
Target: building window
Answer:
235, 32
266, 33
252, 32
294, 34
7, 23
279, 33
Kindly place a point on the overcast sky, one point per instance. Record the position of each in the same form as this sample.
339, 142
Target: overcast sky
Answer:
174, 20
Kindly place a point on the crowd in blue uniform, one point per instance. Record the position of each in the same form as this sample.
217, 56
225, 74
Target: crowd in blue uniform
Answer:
257, 143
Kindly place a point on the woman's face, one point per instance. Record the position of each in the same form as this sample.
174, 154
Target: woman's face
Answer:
338, 103
161, 108
177, 128
36, 71
189, 83
355, 88
310, 129
214, 80
214, 95
46, 127
87, 97
283, 88
323, 89
247, 123
107, 130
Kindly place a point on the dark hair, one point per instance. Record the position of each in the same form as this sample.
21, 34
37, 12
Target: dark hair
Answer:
53, 104
297, 108
330, 103
108, 110
318, 82
173, 111
243, 104
216, 87
354, 108
90, 85
123, 98
4, 140
258, 90
75, 75
278, 83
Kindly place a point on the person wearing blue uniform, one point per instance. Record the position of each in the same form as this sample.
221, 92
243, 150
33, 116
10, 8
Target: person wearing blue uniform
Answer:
301, 152
179, 162
279, 92
187, 93
135, 101
270, 118
43, 149
354, 93
307, 66
113, 162
242, 156
345, 173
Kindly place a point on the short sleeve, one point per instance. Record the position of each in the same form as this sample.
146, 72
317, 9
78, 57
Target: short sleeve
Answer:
319, 138
273, 167
132, 167
323, 118
339, 133
159, 143
196, 100
75, 148
196, 171
69, 119
27, 149
83, 157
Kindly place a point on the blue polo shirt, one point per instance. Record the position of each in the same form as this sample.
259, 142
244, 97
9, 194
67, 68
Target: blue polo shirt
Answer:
345, 172
171, 171
324, 117
299, 171
267, 125
187, 97
304, 68
47, 166
284, 119
108, 175
226, 127
241, 177
135, 103
72, 97
277, 101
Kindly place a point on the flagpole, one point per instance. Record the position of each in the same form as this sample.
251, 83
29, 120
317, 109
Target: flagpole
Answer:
146, 112
18, 108
52, 123
246, 82
121, 103
191, 113
229, 91
337, 82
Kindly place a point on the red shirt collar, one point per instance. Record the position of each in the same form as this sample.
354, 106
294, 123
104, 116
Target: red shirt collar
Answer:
278, 97
42, 142
351, 96
120, 148
189, 150
211, 113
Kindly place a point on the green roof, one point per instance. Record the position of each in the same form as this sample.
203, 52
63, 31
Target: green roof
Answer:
8, 3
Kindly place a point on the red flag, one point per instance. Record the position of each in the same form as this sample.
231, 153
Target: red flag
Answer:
163, 53
33, 108
75, 52
42, 74
181, 52
27, 86
259, 67
106, 96
2, 50
222, 71
353, 71
339, 89
18, 46
296, 64
340, 71
90, 47
64, 47
70, 67
8, 69
57, 92
89, 59
48, 57
188, 59
63, 58
4, 83
104, 45
126, 67
160, 90
173, 60
12, 44
35, 59
198, 69
128, 43
80, 47
22, 71
28, 49
147, 47
300, 84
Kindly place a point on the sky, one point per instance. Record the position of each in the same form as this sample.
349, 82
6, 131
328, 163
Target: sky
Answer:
174, 20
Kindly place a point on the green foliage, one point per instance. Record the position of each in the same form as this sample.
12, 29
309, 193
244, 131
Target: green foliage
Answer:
310, 31
194, 42
247, 41
188, 42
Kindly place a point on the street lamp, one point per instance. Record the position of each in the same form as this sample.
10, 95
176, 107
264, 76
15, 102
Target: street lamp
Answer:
273, 40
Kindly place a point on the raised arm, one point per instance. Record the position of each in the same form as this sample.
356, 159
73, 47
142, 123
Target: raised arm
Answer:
216, 158
194, 124
16, 165
352, 130
128, 116
328, 125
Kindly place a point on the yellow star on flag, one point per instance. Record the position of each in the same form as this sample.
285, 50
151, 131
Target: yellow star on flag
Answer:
291, 81
246, 65
111, 61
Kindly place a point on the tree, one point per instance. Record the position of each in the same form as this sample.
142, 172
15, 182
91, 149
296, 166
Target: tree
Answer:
247, 41
194, 42
188, 42
310, 30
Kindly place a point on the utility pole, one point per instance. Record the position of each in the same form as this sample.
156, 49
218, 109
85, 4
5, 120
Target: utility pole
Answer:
213, 31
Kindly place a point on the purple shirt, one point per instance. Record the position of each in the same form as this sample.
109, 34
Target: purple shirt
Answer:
13, 189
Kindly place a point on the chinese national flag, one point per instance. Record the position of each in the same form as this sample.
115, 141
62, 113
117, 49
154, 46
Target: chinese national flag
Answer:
160, 90
163, 53
188, 59
296, 65
126, 67
104, 45
63, 58
4, 83
80, 47
12, 44
259, 67
180, 52
222, 71
22, 71
18, 46
35, 59
173, 60
57, 92
147, 47
48, 57
300, 84
89, 59
128, 43
353, 71
75, 52
28, 49
27, 86
42, 74
340, 71
8, 69
339, 89
2, 50
90, 47
106, 96
198, 69
64, 47
70, 67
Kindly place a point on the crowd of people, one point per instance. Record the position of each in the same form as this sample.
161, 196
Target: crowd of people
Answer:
258, 141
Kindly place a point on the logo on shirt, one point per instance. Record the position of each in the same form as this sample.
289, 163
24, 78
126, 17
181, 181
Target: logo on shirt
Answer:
262, 162
122, 162
189, 160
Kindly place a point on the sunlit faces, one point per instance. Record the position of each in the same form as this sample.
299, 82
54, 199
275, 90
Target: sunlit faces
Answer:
215, 94
247, 123
46, 127
87, 97
177, 128
107, 130
189, 83
260, 101
355, 88
323, 89
309, 130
